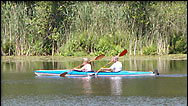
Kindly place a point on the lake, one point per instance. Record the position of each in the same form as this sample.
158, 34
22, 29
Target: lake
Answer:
21, 87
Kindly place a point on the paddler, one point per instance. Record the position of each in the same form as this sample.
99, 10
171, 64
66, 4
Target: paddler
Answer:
86, 66
116, 67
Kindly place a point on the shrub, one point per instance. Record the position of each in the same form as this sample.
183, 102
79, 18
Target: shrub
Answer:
150, 50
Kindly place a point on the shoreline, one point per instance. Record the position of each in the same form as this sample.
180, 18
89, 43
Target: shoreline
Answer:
79, 58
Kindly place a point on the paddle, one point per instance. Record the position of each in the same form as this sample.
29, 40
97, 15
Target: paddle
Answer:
97, 58
121, 54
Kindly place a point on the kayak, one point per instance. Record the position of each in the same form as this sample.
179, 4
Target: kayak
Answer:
99, 74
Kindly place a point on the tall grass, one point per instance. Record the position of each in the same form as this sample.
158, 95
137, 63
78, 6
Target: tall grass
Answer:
93, 27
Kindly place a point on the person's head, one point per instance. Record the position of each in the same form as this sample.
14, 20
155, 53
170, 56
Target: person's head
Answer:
85, 60
115, 58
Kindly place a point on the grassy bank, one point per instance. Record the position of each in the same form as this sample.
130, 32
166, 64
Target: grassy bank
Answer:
76, 58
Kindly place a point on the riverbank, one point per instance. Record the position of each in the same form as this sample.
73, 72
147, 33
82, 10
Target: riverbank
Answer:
75, 58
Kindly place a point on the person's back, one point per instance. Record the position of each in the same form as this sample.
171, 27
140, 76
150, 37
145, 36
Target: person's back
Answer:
86, 67
116, 67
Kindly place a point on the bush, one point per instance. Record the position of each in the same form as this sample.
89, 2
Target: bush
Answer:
116, 50
103, 46
150, 50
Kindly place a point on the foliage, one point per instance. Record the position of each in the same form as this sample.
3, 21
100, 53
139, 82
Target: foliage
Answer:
80, 28
150, 50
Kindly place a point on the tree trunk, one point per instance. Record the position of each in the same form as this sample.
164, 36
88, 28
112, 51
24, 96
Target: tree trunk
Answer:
10, 32
135, 47
53, 48
130, 47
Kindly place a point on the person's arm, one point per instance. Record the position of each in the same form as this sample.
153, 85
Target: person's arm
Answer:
84, 68
108, 69
78, 69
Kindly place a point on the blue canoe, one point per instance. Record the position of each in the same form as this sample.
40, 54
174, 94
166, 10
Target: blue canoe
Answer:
83, 74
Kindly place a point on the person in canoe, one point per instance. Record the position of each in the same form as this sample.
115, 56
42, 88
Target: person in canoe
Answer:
116, 67
86, 66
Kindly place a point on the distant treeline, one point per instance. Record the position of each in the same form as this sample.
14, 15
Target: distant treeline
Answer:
80, 28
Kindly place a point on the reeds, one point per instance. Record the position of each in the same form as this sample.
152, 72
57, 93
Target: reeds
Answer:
69, 28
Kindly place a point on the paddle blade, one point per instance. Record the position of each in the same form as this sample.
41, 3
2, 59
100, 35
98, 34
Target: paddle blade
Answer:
123, 53
63, 74
99, 57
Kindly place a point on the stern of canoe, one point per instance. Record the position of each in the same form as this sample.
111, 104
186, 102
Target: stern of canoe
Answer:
49, 72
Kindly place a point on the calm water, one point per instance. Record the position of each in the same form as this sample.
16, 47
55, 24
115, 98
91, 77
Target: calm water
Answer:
21, 87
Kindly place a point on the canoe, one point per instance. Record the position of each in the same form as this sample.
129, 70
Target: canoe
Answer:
100, 74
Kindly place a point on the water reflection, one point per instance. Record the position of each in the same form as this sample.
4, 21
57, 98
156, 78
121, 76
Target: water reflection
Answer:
173, 75
164, 66
21, 86
116, 85
112, 85
86, 83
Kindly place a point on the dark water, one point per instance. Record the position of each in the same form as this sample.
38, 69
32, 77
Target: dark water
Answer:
21, 87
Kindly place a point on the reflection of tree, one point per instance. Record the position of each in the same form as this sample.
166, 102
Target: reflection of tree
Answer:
135, 65
163, 65
130, 64
17, 66
149, 64
116, 85
25, 64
